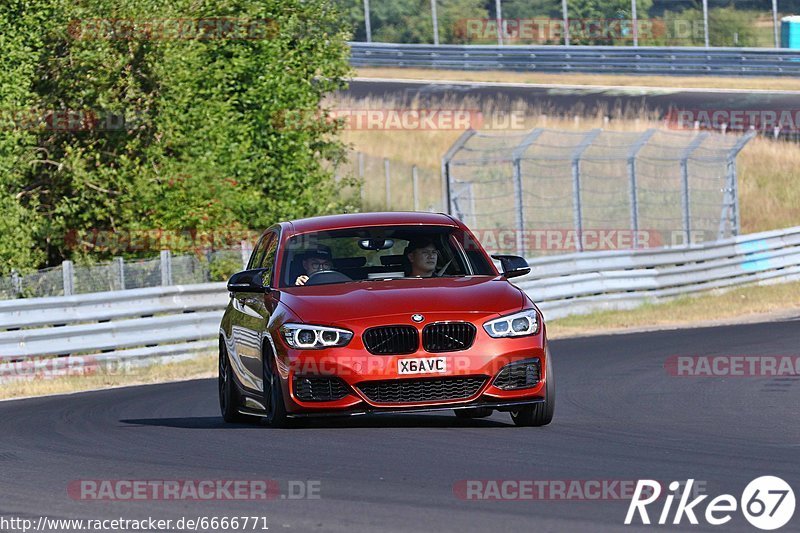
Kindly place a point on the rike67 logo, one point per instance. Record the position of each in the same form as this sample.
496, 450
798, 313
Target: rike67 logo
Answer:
767, 503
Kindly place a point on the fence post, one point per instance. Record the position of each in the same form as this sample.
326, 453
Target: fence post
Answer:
577, 214
415, 186
448, 156
367, 21
120, 262
516, 156
16, 283
733, 181
166, 268
388, 177
634, 193
685, 200
67, 275
247, 250
435, 20
498, 8
361, 176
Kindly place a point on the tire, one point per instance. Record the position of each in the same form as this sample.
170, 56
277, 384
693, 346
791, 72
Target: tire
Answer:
475, 412
274, 404
539, 414
228, 395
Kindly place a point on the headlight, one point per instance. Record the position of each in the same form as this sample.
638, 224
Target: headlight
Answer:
516, 325
306, 337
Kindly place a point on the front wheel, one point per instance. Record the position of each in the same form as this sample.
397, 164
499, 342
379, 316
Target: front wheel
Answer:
539, 414
273, 395
228, 396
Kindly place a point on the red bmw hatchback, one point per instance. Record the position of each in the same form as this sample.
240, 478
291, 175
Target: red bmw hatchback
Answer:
381, 313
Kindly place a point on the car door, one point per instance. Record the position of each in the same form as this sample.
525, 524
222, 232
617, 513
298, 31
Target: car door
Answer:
251, 315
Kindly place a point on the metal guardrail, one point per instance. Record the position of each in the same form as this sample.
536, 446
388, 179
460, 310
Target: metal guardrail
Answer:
584, 282
169, 323
590, 59
137, 326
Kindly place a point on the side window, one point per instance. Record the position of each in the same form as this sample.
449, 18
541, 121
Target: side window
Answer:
268, 260
258, 252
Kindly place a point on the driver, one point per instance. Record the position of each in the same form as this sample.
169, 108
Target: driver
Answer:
313, 262
422, 256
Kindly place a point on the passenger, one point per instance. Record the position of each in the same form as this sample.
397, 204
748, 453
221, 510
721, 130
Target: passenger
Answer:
422, 256
313, 262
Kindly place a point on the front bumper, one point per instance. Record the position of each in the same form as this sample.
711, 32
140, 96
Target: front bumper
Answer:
356, 367
499, 406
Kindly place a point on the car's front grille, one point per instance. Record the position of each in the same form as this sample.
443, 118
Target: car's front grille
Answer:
521, 375
319, 389
448, 336
422, 390
391, 340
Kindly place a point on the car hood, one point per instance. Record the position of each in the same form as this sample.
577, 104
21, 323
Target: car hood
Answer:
342, 302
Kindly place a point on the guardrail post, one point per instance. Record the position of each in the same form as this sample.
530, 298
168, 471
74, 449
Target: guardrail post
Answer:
388, 176
458, 145
68, 275
415, 186
166, 268
634, 192
577, 214
687, 216
120, 262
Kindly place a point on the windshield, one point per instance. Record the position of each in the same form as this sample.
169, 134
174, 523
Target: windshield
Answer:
378, 253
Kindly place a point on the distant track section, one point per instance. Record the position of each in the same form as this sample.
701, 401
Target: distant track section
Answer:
640, 60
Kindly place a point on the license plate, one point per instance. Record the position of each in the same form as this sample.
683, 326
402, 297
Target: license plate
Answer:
425, 365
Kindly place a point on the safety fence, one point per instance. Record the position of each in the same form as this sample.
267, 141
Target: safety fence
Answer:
168, 323
589, 59
121, 274
663, 187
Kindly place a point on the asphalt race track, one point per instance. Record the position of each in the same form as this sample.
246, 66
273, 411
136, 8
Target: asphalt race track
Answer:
620, 416
588, 100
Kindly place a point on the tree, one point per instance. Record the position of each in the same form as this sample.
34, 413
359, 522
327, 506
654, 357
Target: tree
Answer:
171, 131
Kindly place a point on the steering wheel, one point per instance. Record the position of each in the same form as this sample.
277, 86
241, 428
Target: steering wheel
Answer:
322, 277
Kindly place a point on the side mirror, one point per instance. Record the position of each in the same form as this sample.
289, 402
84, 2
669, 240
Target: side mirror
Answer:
248, 281
513, 265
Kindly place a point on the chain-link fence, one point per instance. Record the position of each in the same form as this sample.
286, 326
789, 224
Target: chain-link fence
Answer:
548, 191
121, 274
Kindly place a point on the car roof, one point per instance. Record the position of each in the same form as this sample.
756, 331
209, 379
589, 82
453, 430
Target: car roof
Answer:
355, 220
